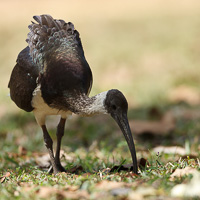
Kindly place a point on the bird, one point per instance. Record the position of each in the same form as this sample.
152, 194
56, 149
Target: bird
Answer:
52, 77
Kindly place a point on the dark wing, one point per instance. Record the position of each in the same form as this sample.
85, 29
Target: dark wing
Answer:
49, 34
23, 80
64, 80
55, 46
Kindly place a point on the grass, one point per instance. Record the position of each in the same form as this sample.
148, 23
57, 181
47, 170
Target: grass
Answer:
94, 147
144, 50
27, 176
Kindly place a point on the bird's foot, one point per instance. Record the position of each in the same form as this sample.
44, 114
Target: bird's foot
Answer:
59, 168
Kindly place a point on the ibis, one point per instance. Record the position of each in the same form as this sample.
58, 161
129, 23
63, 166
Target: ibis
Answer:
52, 77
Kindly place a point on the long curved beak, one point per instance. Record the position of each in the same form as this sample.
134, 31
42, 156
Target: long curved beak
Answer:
123, 123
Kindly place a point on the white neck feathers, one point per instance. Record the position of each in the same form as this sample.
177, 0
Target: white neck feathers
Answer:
90, 106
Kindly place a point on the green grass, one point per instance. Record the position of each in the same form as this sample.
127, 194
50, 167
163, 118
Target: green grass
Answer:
19, 184
95, 147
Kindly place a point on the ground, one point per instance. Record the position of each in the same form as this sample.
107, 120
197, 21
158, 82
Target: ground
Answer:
150, 51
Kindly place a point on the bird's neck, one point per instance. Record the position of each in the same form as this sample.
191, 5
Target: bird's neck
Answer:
88, 106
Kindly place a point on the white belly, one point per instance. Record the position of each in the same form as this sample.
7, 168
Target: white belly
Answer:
41, 109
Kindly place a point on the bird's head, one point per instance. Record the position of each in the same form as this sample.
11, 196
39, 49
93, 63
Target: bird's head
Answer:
116, 105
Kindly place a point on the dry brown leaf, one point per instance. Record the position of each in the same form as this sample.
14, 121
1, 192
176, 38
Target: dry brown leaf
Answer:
66, 157
2, 179
182, 172
135, 196
106, 170
79, 194
12, 155
86, 174
26, 184
191, 189
142, 193
159, 127
43, 161
170, 150
109, 185
71, 187
22, 151
129, 175
27, 188
46, 192
7, 174
186, 94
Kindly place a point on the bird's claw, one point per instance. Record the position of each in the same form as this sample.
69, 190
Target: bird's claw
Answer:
59, 168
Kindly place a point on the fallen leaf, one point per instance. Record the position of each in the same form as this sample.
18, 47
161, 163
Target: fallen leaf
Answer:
28, 188
158, 127
79, 194
66, 157
46, 192
170, 150
146, 191
178, 173
135, 196
129, 175
2, 179
43, 161
185, 94
71, 187
106, 170
190, 189
142, 193
26, 184
16, 193
86, 174
109, 185
22, 151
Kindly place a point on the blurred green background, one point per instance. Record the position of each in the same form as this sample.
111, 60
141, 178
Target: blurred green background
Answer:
146, 49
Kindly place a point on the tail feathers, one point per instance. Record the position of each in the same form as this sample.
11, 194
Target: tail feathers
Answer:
49, 33
45, 20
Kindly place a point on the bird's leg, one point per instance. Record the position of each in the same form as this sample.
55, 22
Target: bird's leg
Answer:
59, 134
49, 145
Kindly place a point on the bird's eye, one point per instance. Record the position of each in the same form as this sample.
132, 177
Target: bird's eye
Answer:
114, 107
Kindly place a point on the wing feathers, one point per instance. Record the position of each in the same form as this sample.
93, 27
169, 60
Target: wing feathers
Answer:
47, 34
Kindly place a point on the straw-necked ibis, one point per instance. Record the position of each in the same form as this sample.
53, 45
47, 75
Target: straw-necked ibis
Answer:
52, 77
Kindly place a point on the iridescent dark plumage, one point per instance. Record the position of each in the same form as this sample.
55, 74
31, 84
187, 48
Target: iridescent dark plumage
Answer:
55, 44
23, 80
52, 77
